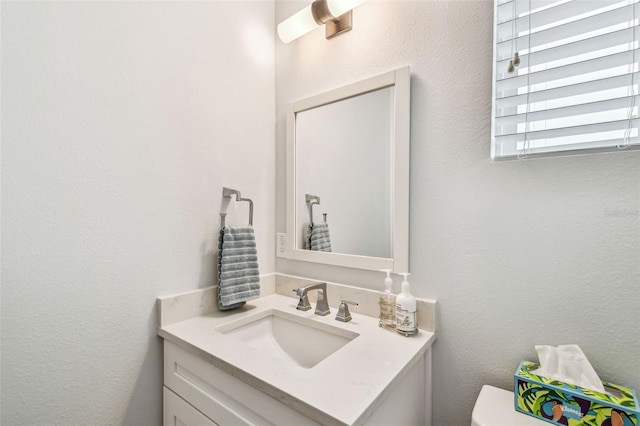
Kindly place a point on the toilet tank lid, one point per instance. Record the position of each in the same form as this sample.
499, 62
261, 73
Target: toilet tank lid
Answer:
494, 407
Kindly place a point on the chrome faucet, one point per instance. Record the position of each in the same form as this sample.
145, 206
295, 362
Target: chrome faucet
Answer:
322, 307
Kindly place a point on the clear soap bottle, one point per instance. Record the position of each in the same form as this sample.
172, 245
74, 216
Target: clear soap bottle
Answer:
387, 303
406, 321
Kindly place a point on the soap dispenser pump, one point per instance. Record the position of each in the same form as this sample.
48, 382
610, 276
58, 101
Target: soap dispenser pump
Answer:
406, 322
387, 303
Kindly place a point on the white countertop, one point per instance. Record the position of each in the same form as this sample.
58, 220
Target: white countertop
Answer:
344, 388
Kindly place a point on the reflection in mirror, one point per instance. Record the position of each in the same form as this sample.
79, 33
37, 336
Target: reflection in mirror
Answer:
316, 234
344, 154
348, 175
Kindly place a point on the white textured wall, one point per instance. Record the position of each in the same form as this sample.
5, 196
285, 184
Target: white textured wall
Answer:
517, 253
121, 122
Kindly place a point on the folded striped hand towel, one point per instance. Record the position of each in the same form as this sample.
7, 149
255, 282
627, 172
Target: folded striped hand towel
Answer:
238, 274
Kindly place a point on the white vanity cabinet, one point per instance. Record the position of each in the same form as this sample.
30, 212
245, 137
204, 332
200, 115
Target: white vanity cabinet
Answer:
211, 378
198, 394
216, 397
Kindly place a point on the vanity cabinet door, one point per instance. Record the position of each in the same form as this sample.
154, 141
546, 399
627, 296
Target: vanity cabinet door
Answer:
177, 412
220, 396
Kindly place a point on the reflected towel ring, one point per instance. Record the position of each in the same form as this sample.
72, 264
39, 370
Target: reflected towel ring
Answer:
311, 201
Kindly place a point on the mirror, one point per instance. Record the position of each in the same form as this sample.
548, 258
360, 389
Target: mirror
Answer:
348, 175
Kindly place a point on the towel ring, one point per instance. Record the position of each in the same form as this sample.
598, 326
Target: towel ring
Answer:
228, 193
311, 201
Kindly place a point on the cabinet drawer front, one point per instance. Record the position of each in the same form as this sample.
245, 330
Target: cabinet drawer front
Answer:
177, 412
220, 396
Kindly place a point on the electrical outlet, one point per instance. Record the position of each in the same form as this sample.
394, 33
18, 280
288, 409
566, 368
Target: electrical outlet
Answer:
281, 249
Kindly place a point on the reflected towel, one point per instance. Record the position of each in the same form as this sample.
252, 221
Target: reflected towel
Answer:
318, 237
238, 275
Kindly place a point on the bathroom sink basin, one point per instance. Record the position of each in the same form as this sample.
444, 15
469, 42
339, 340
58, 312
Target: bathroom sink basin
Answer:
301, 341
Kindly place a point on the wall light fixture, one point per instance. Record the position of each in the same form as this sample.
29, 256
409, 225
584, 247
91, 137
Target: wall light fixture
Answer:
335, 14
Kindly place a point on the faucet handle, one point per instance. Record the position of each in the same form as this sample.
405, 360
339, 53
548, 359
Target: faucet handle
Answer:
343, 310
303, 303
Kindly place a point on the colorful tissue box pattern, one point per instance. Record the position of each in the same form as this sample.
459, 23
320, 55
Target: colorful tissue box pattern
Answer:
565, 404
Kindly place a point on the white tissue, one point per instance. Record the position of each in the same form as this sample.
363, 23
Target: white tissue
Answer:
567, 363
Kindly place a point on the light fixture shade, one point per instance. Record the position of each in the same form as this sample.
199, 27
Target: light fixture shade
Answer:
340, 7
311, 17
297, 25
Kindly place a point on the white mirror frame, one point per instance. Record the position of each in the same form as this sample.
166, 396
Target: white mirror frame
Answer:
400, 80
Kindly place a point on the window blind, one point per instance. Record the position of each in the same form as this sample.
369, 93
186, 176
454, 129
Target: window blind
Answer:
566, 76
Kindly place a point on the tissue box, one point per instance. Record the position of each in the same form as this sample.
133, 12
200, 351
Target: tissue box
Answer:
562, 403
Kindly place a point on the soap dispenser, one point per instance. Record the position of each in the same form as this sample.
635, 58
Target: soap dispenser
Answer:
406, 322
387, 303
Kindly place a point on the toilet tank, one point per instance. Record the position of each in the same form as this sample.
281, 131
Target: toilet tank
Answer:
494, 407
